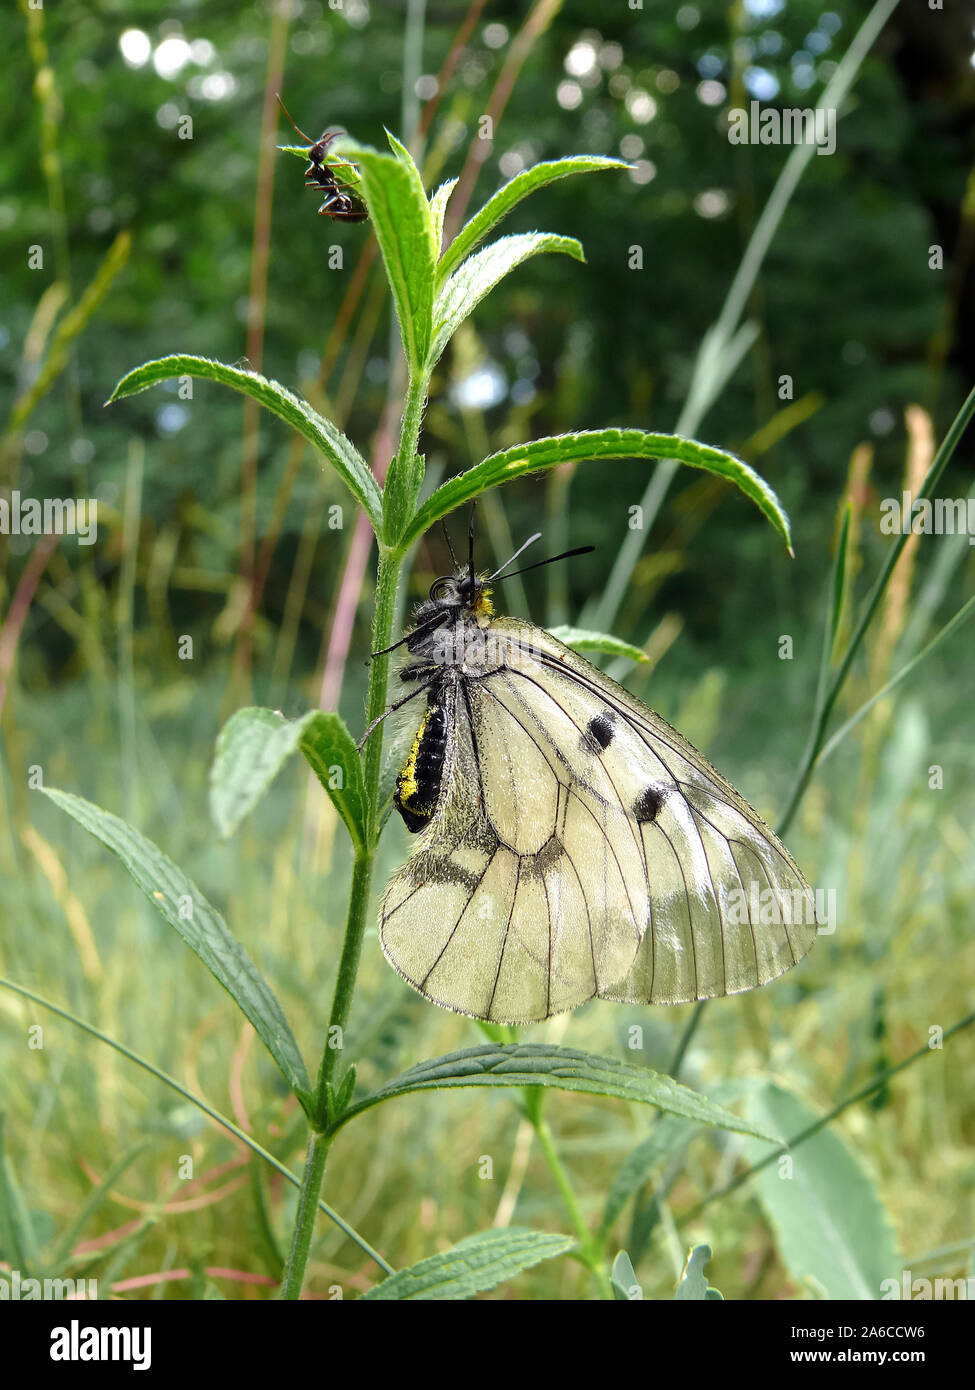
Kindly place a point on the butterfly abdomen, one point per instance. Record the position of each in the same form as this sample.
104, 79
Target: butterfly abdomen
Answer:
418, 785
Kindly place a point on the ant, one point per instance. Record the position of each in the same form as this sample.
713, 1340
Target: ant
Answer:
337, 205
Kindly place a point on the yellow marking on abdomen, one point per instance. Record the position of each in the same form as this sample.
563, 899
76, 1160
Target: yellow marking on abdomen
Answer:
406, 781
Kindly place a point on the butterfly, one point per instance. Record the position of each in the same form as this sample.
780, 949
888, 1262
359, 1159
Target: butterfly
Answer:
571, 843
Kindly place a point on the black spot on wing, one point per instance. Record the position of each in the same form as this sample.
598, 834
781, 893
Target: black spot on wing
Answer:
536, 866
600, 732
648, 804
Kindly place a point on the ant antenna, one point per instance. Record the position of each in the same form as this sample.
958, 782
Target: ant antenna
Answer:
307, 138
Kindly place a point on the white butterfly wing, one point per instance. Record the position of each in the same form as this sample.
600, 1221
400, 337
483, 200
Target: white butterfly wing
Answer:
517, 903
581, 847
729, 908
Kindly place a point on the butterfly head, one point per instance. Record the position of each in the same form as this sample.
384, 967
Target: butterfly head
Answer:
462, 595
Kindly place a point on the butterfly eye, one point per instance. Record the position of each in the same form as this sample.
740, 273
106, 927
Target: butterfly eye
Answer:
439, 589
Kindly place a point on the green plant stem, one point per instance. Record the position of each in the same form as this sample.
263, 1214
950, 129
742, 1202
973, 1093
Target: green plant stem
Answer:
311, 1182
390, 565
589, 1252
690, 1028
405, 472
962, 616
345, 981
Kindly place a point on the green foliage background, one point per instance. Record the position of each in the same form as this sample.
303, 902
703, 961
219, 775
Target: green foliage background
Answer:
846, 305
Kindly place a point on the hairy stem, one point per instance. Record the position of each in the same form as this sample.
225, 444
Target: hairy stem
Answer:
390, 566
311, 1182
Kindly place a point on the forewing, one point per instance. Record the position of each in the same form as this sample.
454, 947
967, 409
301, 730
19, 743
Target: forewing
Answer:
726, 908
518, 902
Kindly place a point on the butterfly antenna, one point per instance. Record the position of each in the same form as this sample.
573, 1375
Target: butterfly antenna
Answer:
470, 551
530, 541
446, 536
307, 139
566, 555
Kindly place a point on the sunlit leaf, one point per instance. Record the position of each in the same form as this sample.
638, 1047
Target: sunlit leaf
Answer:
590, 445
438, 209
512, 193
340, 452
564, 1068
692, 1285
479, 274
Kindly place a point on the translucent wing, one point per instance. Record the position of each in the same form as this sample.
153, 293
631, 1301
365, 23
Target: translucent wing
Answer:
521, 900
729, 908
581, 847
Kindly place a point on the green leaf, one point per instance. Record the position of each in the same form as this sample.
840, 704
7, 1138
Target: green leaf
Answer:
830, 1224
250, 749
582, 641
330, 751
17, 1243
510, 195
345, 1091
667, 1136
692, 1284
187, 911
438, 210
392, 190
564, 1068
340, 452
479, 274
595, 444
476, 1264
255, 743
622, 1278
